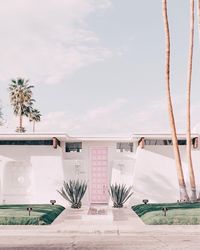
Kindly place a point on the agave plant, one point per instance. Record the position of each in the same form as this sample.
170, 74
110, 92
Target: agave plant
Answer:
119, 194
73, 191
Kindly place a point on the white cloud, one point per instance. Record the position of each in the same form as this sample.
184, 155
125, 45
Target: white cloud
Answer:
116, 118
46, 40
102, 111
109, 119
100, 120
154, 117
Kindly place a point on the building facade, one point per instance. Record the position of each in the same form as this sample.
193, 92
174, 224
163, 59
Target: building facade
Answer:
34, 166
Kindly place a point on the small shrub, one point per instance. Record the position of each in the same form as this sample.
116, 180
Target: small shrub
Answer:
73, 191
119, 194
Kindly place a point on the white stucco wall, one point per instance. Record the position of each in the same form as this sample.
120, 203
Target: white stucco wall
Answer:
30, 174
155, 176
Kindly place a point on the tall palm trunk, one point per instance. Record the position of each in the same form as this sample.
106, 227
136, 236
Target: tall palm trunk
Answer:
20, 119
33, 126
20, 114
189, 82
181, 181
20, 122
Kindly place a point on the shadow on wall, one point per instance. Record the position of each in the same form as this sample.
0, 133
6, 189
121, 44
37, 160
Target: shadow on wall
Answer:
155, 175
157, 189
167, 151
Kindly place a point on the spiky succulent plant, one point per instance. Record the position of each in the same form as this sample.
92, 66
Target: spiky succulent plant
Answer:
73, 191
119, 194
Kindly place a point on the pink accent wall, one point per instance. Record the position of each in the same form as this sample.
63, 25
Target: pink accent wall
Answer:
99, 175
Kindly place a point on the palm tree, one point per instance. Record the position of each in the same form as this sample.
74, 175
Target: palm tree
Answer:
181, 181
21, 100
34, 117
189, 82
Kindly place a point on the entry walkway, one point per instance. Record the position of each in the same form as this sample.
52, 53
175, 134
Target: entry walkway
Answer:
98, 219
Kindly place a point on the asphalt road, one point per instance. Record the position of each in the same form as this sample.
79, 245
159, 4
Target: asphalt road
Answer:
139, 241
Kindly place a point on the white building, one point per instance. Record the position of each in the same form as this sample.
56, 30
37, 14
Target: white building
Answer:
33, 166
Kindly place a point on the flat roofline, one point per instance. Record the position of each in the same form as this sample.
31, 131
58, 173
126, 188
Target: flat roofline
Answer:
18, 136
66, 137
99, 138
60, 136
162, 136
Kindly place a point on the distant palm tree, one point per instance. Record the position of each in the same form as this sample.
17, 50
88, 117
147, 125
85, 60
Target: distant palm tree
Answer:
189, 82
21, 100
183, 191
34, 116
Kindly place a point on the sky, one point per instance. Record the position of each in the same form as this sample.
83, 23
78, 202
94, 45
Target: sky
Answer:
97, 65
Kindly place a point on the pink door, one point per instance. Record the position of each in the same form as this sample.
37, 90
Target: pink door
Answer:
99, 175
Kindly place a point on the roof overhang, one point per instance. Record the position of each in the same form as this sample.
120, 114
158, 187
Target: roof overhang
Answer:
161, 136
33, 136
103, 139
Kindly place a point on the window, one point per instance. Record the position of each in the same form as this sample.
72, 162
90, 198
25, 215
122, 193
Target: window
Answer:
26, 142
162, 142
73, 147
125, 146
182, 142
157, 142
